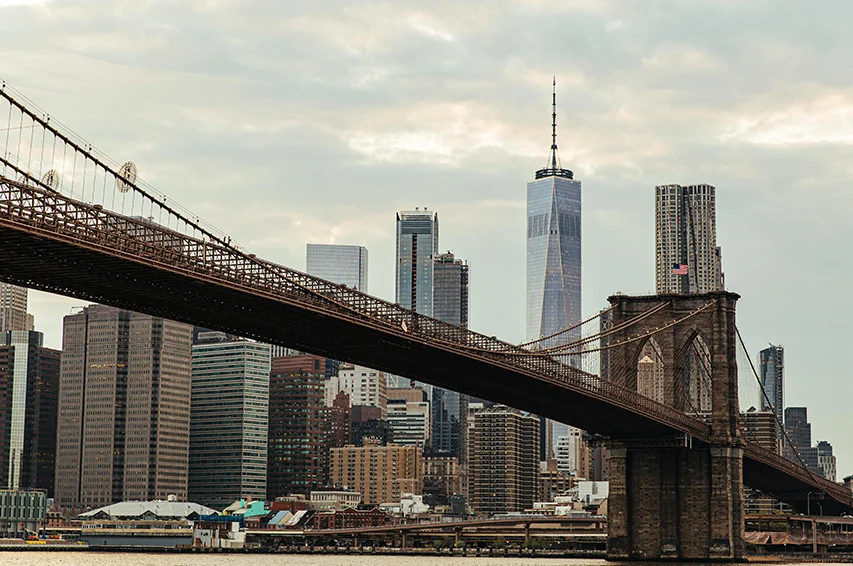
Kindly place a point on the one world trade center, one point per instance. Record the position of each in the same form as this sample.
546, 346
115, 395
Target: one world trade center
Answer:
553, 259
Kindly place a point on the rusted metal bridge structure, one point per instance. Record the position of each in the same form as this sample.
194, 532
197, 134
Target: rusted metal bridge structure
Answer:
75, 223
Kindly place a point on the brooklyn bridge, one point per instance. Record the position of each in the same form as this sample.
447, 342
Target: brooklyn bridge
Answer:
75, 223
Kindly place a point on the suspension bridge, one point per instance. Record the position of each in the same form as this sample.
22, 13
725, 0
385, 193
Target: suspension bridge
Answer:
656, 378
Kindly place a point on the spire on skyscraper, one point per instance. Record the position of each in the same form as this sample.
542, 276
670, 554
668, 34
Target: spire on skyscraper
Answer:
554, 170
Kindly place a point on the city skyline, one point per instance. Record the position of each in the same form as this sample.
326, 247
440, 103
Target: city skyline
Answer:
729, 145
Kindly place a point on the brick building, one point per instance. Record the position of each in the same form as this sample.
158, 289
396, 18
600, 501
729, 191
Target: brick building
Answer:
380, 473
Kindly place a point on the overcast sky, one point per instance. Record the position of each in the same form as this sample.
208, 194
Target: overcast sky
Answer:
288, 122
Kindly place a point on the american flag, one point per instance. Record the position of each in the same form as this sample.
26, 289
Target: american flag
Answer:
679, 269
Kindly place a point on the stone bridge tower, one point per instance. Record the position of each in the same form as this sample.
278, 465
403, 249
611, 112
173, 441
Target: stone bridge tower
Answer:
678, 499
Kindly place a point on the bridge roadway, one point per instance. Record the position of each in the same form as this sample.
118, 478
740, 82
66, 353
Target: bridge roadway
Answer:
60, 245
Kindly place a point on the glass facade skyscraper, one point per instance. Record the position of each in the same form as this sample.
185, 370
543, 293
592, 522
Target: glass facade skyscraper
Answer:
553, 261
553, 256
772, 368
229, 421
345, 265
417, 248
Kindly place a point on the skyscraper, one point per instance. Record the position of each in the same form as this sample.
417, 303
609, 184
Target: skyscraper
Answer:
449, 408
124, 407
772, 375
229, 419
29, 393
300, 428
417, 248
504, 461
553, 248
13, 308
450, 293
687, 259
345, 265
553, 260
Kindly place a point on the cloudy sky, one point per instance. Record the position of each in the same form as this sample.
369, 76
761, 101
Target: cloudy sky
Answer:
287, 122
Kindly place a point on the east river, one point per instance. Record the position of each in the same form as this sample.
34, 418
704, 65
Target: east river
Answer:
75, 558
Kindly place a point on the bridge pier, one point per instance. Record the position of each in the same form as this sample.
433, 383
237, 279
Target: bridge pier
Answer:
678, 504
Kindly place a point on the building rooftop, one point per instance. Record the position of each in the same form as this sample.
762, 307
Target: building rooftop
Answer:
163, 510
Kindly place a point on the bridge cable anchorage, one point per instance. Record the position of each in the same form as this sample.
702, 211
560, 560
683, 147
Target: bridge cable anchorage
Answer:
608, 332
566, 330
776, 417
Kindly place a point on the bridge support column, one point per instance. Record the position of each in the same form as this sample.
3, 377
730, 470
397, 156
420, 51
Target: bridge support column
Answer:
677, 504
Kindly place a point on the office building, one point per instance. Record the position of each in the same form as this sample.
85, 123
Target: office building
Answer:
13, 308
772, 374
553, 249
798, 431
367, 424
760, 427
228, 428
365, 386
300, 427
380, 473
344, 265
29, 396
503, 461
124, 408
450, 305
570, 452
409, 422
450, 290
417, 248
553, 262
825, 460
687, 259
339, 426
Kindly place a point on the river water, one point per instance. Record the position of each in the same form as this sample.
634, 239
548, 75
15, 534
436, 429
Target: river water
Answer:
43, 558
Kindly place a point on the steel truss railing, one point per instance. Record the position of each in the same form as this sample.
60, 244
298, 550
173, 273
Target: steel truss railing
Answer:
61, 217
797, 470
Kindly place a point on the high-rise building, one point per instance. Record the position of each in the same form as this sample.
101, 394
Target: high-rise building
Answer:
825, 460
772, 374
798, 430
339, 426
570, 452
228, 428
553, 248
380, 473
760, 427
13, 308
503, 456
450, 290
29, 394
687, 259
553, 261
409, 422
417, 248
124, 407
300, 426
344, 265
365, 386
450, 305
